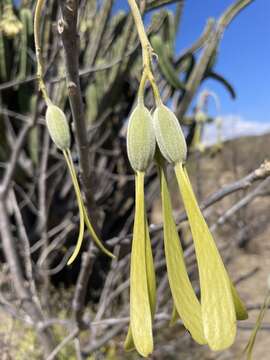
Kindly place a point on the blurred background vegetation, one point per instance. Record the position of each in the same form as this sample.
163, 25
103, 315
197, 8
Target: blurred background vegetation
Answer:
84, 308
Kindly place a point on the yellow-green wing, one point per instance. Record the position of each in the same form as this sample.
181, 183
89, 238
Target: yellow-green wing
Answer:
218, 312
151, 282
140, 311
184, 297
240, 309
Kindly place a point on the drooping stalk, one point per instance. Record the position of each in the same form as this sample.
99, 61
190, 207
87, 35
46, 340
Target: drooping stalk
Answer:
147, 51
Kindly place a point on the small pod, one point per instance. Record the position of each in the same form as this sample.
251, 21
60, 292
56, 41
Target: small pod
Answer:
140, 138
58, 127
10, 25
169, 135
201, 117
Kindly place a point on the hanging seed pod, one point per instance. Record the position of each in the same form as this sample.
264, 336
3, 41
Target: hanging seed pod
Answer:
201, 117
10, 24
140, 138
58, 127
169, 135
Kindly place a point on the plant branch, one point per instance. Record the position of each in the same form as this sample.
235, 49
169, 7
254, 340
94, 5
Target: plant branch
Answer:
68, 26
21, 290
11, 167
147, 51
40, 70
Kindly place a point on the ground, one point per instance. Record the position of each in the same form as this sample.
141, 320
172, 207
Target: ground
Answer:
250, 228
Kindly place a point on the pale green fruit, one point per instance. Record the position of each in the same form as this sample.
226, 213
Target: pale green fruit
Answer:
201, 117
58, 127
140, 138
169, 135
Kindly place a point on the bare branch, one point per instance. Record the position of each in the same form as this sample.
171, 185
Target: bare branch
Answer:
7, 180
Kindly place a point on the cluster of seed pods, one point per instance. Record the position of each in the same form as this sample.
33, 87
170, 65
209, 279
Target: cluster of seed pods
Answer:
212, 319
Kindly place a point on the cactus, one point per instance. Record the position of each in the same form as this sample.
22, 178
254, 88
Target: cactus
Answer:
165, 64
169, 32
33, 137
26, 33
3, 67
92, 101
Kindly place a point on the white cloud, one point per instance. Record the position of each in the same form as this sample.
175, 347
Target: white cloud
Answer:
234, 126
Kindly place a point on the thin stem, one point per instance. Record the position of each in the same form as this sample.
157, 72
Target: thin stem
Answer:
40, 71
141, 88
147, 51
155, 88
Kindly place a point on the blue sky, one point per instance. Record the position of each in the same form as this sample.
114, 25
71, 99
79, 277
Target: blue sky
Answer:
243, 56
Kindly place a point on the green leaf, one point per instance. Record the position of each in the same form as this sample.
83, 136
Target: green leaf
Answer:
184, 297
140, 310
218, 311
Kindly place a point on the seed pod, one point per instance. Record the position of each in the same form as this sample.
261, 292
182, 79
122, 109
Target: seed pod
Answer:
10, 24
140, 138
58, 127
201, 117
169, 135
